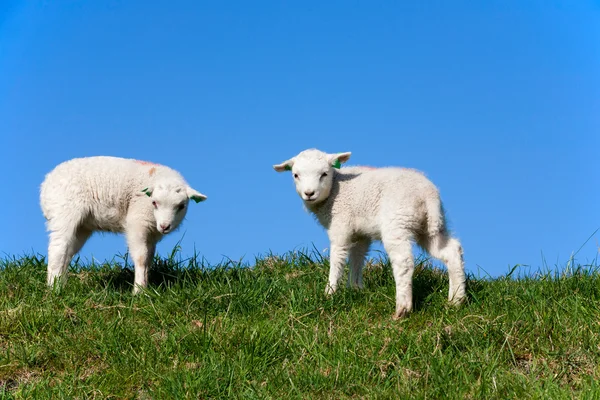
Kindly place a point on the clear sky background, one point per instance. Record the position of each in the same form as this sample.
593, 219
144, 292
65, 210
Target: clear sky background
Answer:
497, 101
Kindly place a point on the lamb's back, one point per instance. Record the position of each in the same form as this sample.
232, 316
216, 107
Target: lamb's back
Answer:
370, 188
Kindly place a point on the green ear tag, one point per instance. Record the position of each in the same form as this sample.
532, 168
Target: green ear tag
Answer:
288, 168
337, 164
147, 192
197, 199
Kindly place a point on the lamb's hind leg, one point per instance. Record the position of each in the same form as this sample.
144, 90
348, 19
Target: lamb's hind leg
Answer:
357, 260
399, 250
64, 243
449, 250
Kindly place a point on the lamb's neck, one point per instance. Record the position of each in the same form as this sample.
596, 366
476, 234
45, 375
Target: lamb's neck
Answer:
322, 211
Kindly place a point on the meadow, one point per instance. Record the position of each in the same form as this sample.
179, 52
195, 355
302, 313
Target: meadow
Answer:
266, 330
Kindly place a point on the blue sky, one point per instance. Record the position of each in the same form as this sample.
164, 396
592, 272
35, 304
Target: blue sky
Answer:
497, 102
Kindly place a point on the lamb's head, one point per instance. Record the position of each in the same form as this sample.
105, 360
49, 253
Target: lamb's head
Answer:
170, 202
313, 173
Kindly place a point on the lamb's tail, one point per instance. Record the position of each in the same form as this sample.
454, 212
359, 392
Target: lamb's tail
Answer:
436, 220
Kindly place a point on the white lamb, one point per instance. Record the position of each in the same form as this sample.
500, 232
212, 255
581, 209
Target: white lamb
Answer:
357, 205
143, 200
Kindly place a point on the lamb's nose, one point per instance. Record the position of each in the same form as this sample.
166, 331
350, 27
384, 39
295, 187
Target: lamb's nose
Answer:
309, 194
165, 227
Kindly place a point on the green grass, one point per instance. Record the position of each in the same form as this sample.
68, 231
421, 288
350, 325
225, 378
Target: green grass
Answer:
269, 331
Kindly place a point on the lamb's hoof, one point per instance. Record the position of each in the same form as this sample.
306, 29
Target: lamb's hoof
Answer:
137, 290
356, 286
457, 301
56, 285
329, 290
400, 314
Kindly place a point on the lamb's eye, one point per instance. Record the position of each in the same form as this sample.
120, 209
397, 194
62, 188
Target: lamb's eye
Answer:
295, 176
323, 175
154, 203
180, 207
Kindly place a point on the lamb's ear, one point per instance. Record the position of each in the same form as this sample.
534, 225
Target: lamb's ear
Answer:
195, 195
284, 166
148, 191
338, 159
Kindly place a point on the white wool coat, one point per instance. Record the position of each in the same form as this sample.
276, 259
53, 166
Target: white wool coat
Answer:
106, 189
364, 201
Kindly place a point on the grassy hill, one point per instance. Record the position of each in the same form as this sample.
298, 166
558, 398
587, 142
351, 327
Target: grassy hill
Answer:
268, 331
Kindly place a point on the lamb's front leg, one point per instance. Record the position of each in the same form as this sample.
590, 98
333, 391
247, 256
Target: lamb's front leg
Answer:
141, 248
337, 259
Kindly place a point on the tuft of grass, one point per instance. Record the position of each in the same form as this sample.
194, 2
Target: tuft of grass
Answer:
267, 330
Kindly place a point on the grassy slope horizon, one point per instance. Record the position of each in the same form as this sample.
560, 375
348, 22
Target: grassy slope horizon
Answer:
267, 330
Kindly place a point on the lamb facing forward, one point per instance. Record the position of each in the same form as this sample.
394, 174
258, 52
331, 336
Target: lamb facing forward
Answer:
357, 205
143, 200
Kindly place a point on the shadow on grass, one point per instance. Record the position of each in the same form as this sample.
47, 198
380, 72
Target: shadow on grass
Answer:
167, 272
